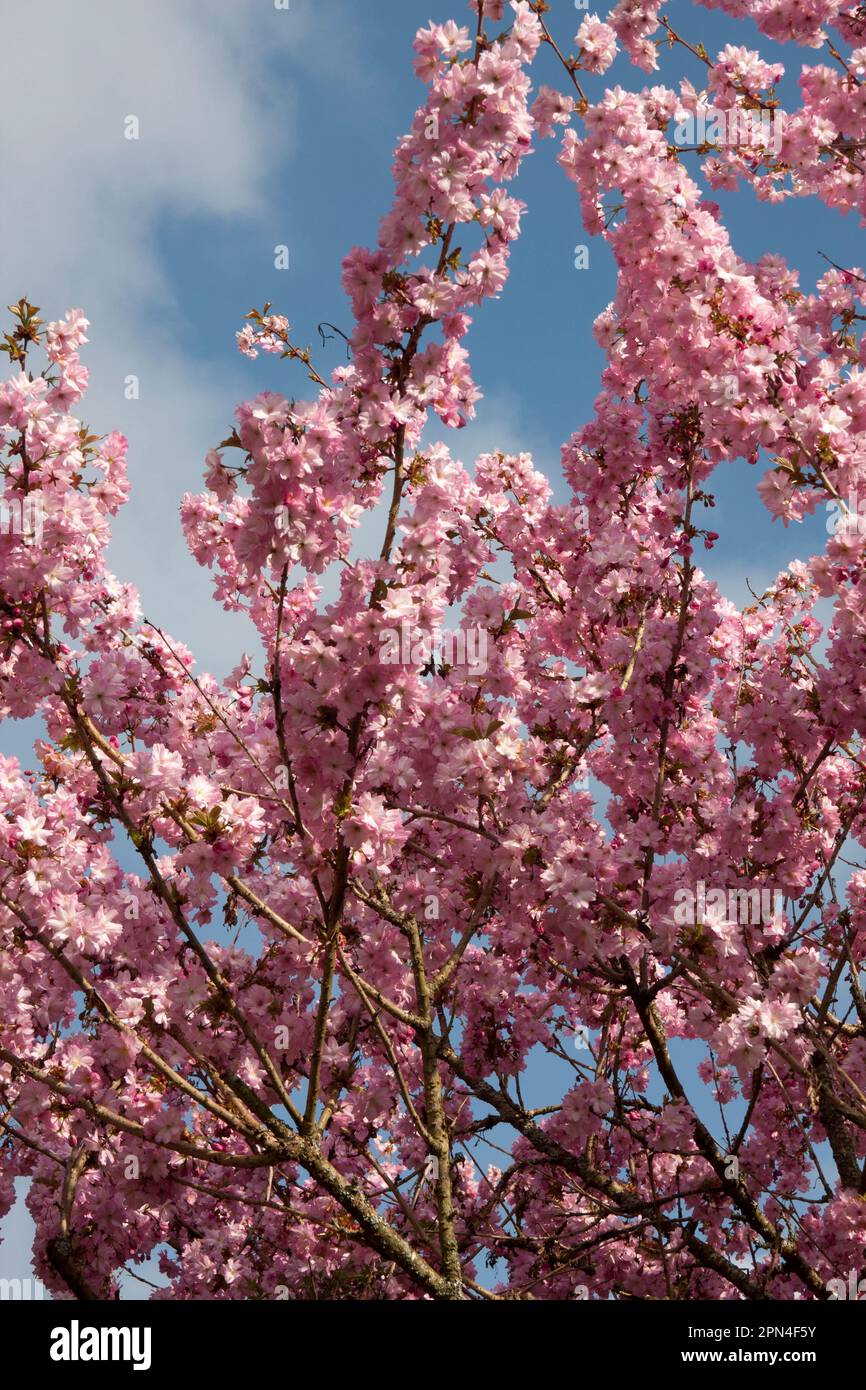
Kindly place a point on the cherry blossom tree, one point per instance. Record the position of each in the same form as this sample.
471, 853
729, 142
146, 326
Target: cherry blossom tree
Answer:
280, 956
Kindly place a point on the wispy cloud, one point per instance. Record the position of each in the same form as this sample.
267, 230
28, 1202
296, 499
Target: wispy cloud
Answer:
211, 88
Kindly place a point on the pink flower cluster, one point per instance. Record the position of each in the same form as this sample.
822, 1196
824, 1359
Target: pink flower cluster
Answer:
368, 896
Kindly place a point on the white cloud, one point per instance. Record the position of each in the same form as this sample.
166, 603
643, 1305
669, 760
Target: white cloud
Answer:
498, 427
85, 207
16, 1237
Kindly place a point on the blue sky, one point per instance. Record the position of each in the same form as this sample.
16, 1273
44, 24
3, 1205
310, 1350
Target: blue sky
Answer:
261, 127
